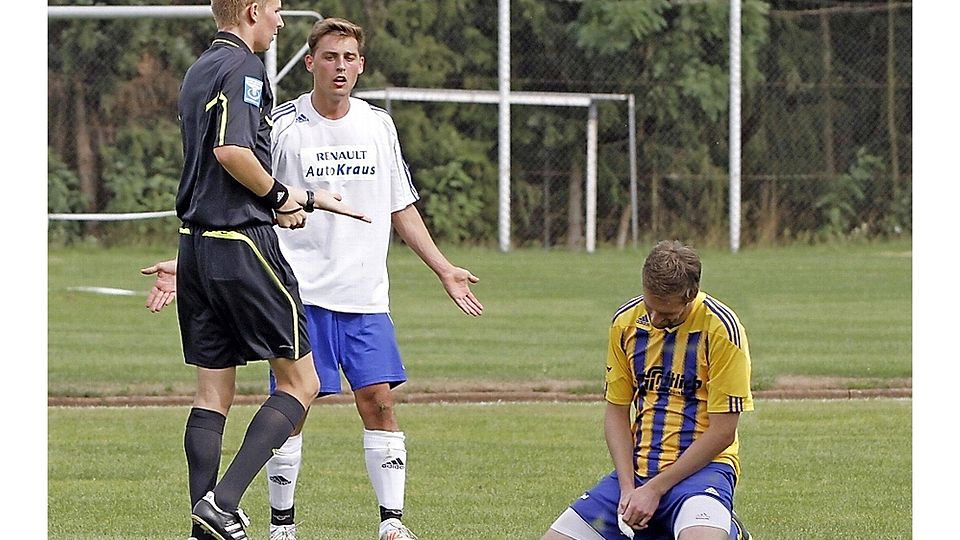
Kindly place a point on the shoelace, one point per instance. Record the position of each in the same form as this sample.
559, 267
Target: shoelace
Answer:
400, 533
285, 533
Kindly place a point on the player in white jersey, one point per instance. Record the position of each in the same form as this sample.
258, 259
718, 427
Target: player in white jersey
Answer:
328, 139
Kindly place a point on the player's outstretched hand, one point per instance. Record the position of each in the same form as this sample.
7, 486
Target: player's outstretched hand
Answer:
164, 289
329, 201
457, 284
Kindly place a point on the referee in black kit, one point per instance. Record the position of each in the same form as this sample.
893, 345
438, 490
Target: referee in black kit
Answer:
238, 297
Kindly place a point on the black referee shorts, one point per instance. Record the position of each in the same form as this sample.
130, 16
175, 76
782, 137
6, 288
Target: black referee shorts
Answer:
237, 298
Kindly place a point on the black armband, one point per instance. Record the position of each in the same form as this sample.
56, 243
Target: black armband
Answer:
277, 196
308, 206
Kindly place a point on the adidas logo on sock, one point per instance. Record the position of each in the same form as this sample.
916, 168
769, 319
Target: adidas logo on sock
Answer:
395, 463
278, 479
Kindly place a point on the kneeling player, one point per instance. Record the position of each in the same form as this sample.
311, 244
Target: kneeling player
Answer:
681, 358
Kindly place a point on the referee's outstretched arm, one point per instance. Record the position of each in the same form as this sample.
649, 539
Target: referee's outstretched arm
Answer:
243, 165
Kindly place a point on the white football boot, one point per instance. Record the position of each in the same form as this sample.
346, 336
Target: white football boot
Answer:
394, 529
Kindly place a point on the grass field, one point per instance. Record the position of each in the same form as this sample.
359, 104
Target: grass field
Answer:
812, 469
842, 312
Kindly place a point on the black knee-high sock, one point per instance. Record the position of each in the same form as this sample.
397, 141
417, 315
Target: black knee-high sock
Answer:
270, 427
202, 440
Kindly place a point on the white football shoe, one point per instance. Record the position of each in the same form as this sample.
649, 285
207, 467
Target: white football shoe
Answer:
394, 529
283, 532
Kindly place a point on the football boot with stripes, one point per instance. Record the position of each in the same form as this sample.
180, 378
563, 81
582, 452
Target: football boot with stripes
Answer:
221, 524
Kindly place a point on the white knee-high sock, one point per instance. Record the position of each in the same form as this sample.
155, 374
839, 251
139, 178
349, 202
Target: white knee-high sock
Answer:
282, 471
386, 457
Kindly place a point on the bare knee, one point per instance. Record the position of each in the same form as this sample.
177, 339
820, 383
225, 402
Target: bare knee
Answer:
376, 408
215, 390
297, 378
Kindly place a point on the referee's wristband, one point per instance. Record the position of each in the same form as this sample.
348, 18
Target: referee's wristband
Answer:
308, 206
277, 196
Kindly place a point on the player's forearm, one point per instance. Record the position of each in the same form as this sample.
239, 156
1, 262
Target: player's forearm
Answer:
717, 437
616, 429
413, 231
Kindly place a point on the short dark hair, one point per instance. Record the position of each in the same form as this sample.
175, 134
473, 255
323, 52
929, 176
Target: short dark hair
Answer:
672, 268
338, 26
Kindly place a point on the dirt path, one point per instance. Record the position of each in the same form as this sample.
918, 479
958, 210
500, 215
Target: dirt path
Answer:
784, 388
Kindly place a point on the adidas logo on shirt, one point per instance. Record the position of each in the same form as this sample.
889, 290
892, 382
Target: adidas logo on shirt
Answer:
395, 463
301, 118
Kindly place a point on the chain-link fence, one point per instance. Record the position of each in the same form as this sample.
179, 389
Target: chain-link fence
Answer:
826, 115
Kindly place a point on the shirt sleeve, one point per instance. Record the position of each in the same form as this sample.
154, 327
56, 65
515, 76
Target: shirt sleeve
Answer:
242, 97
402, 191
729, 375
619, 384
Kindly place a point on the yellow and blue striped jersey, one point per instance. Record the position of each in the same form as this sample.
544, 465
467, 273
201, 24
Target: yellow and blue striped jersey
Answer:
675, 377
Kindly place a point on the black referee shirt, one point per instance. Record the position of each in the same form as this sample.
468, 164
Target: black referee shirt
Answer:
224, 100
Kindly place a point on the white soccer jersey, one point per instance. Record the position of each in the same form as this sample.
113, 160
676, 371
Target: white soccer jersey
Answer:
341, 262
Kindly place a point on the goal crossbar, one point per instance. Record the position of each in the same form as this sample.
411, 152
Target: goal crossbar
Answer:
549, 99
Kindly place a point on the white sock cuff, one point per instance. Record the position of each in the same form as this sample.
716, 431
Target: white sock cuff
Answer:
382, 439
293, 445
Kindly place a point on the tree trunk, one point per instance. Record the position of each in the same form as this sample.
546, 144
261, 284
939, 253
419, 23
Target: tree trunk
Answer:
57, 138
655, 204
575, 217
547, 169
828, 144
891, 101
86, 158
768, 220
623, 228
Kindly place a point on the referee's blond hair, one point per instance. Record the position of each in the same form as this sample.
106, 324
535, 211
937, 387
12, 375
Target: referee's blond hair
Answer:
226, 13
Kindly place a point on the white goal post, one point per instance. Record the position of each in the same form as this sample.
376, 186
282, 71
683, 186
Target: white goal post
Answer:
503, 97
548, 99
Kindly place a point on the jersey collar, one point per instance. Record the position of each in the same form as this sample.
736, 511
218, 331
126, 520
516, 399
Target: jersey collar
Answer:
229, 39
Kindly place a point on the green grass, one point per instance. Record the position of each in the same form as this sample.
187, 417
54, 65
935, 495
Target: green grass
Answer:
811, 469
830, 311
825, 469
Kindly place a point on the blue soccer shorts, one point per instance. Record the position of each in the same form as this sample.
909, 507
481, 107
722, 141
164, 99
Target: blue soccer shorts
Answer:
362, 345
598, 506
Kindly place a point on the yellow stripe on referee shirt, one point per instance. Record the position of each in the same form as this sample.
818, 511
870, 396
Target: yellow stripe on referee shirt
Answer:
222, 132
